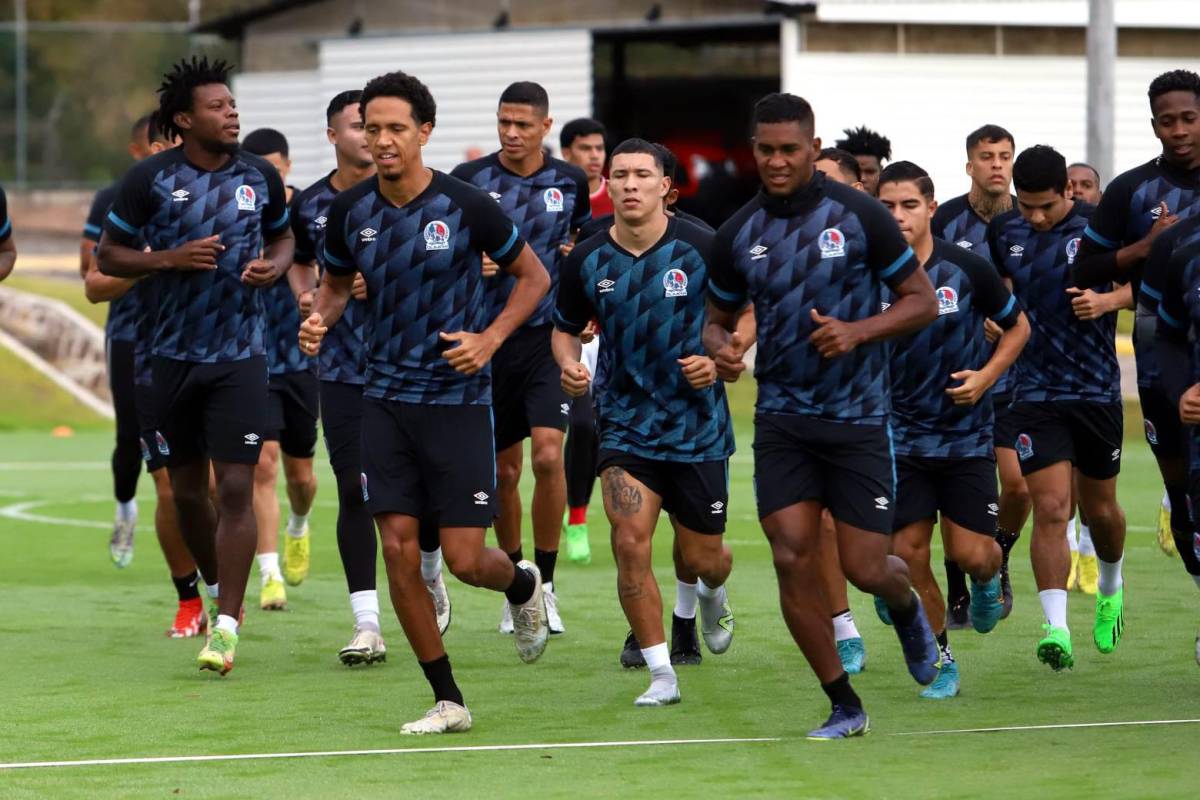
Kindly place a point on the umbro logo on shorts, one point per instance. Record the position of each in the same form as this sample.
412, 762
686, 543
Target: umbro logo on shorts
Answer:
717, 507
994, 509
565, 408
1116, 454
881, 503
251, 438
481, 498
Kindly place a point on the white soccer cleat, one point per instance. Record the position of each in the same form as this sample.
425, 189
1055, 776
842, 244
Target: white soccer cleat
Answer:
445, 717
506, 623
716, 622
441, 602
529, 619
660, 693
366, 647
120, 545
553, 620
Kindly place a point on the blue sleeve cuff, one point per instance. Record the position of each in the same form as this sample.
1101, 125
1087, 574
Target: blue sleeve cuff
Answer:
1151, 292
1008, 309
1167, 318
1100, 240
895, 266
122, 224
279, 223
723, 296
565, 325
332, 260
503, 252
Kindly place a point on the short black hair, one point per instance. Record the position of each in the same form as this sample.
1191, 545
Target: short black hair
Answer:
1177, 80
862, 141
670, 163
845, 161
527, 93
642, 146
405, 87
584, 126
908, 172
782, 107
340, 101
1040, 168
988, 133
141, 127
175, 93
1086, 165
264, 141
154, 131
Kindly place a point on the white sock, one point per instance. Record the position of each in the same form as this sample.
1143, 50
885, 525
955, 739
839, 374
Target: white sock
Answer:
268, 565
706, 591
227, 623
431, 565
211, 588
658, 659
127, 510
685, 599
1166, 501
365, 605
844, 627
296, 523
548, 587
1072, 541
1086, 548
1110, 576
1054, 606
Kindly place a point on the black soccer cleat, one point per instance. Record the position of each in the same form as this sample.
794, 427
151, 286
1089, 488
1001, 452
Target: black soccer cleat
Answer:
958, 615
631, 653
685, 647
1006, 541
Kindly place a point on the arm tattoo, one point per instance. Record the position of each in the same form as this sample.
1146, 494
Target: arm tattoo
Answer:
625, 500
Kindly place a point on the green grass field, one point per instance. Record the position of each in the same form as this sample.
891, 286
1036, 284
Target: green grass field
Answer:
89, 675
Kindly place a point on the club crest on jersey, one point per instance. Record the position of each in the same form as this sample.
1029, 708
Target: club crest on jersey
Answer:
553, 198
947, 300
362, 481
675, 282
1024, 447
832, 243
1072, 250
145, 449
437, 236
160, 441
1151, 432
245, 198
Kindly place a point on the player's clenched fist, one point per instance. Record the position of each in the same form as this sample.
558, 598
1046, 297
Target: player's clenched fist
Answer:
312, 331
576, 379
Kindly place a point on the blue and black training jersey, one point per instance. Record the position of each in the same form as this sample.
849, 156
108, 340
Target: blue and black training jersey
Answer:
341, 359
423, 267
1179, 327
166, 201
827, 247
1066, 358
650, 310
5, 222
546, 206
121, 323
925, 420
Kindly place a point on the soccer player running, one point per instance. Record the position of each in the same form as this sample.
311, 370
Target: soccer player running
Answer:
291, 431
813, 257
963, 221
666, 434
1137, 207
942, 415
870, 149
1067, 404
8, 246
418, 237
548, 199
205, 210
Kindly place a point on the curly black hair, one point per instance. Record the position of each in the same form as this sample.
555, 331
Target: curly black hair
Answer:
407, 88
175, 93
863, 141
1177, 80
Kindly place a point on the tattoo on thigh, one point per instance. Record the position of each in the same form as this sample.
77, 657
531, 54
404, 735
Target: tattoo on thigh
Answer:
624, 498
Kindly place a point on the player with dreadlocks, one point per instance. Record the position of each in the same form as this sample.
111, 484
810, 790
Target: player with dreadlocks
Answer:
871, 150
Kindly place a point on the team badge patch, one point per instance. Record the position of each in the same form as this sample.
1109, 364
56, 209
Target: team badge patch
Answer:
362, 481
1151, 433
675, 282
1072, 250
553, 198
947, 300
832, 243
437, 236
161, 442
145, 449
1024, 447
245, 198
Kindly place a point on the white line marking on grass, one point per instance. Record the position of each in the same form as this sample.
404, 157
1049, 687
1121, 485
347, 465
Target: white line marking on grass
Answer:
16, 466
1062, 726
20, 512
100, 762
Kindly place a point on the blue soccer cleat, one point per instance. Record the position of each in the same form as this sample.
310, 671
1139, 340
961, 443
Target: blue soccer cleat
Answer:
881, 609
987, 605
921, 651
844, 722
946, 685
853, 655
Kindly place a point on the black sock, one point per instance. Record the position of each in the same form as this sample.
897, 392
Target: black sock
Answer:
187, 587
441, 680
837, 614
905, 616
516, 556
841, 693
545, 560
956, 581
521, 588
944, 645
1006, 539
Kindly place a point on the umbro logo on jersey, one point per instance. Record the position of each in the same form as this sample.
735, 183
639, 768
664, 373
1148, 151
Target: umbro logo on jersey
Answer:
881, 503
1156, 212
758, 251
717, 507
606, 285
884, 307
321, 221
180, 195
245, 198
368, 234
1016, 250
964, 244
481, 498
495, 196
565, 408
251, 438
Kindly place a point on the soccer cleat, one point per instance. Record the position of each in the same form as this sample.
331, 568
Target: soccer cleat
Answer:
1198, 648
660, 693
631, 653
218, 651
881, 609
853, 655
273, 596
445, 717
506, 621
1166, 539
685, 647
579, 551
716, 622
553, 620
1073, 574
295, 558
1054, 649
958, 615
1089, 574
529, 619
987, 605
945, 686
843, 723
921, 651
190, 619
441, 603
366, 647
1006, 541
120, 546
1110, 620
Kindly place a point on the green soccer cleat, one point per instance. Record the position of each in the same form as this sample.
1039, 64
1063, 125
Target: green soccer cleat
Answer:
217, 654
273, 596
1166, 539
945, 686
295, 558
1110, 620
1055, 649
579, 551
